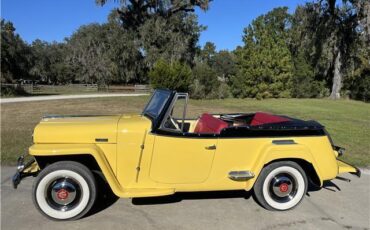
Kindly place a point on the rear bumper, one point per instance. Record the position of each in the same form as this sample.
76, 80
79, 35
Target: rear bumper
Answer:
344, 167
24, 170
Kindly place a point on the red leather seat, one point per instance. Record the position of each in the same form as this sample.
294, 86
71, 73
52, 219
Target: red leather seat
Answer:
266, 118
209, 124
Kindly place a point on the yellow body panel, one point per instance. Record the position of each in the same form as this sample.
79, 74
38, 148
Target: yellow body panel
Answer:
182, 160
76, 129
345, 168
138, 163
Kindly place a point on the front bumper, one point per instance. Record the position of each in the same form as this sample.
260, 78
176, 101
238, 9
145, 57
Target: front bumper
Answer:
24, 170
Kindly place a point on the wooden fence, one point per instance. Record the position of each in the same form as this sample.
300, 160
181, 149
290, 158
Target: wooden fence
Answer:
77, 88
134, 88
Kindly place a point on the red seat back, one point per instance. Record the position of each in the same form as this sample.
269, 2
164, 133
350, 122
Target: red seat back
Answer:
266, 118
209, 124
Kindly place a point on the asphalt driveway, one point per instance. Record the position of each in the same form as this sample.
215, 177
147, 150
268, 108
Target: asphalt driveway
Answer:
341, 205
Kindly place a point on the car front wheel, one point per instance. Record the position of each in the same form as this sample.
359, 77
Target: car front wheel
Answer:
281, 186
64, 190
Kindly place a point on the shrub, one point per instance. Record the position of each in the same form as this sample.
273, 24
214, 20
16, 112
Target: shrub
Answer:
175, 76
206, 77
9, 91
360, 89
197, 90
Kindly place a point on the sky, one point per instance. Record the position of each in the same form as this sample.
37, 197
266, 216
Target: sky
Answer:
53, 20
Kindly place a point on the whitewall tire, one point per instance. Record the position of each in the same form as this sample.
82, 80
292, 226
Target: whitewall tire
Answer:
281, 186
64, 190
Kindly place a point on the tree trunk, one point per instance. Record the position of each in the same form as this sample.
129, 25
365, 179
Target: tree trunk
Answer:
367, 20
337, 79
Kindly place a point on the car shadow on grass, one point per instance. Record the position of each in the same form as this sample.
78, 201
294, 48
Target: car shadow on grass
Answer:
178, 197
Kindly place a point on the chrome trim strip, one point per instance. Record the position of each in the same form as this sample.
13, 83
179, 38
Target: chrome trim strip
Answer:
284, 142
241, 175
53, 116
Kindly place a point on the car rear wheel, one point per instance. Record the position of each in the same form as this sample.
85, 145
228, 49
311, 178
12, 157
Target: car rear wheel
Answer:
64, 190
281, 186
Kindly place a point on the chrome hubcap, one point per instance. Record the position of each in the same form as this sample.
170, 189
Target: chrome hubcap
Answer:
63, 194
283, 187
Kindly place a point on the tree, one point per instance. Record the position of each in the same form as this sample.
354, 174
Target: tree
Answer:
265, 62
161, 29
224, 64
306, 82
134, 13
16, 56
174, 76
89, 57
125, 52
206, 77
208, 53
333, 30
172, 39
49, 63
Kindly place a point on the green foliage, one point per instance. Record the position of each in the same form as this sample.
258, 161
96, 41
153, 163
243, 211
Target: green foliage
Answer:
103, 53
12, 91
88, 56
174, 76
50, 64
360, 89
211, 72
265, 62
16, 56
224, 64
197, 90
329, 33
208, 53
151, 31
283, 55
358, 81
169, 39
134, 13
206, 77
303, 84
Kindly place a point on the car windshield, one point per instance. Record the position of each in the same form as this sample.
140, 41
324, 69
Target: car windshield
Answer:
156, 103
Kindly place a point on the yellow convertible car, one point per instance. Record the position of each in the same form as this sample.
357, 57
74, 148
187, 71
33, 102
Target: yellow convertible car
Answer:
162, 151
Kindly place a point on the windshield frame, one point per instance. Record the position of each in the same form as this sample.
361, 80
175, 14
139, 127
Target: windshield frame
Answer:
156, 118
184, 96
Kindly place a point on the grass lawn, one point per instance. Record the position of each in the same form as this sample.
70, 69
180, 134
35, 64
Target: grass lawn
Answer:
347, 121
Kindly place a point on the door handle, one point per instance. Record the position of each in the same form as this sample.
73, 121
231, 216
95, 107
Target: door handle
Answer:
211, 147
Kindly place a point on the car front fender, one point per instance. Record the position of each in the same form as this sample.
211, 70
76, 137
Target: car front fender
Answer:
80, 149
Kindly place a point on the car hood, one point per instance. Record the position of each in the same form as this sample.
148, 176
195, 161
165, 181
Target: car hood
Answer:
77, 129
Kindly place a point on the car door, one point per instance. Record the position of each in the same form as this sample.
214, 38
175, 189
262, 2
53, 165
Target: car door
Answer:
182, 160
179, 158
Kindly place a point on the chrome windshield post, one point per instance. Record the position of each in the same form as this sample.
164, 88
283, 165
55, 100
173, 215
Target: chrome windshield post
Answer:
184, 112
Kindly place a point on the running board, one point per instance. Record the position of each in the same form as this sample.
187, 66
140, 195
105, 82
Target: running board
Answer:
241, 175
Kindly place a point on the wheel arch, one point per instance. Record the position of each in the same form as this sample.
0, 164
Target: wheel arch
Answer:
89, 155
86, 159
301, 156
307, 167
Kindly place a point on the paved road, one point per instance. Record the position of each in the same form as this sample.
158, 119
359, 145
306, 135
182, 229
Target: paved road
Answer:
325, 209
60, 97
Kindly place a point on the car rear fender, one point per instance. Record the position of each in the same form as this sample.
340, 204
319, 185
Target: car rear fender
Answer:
271, 152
